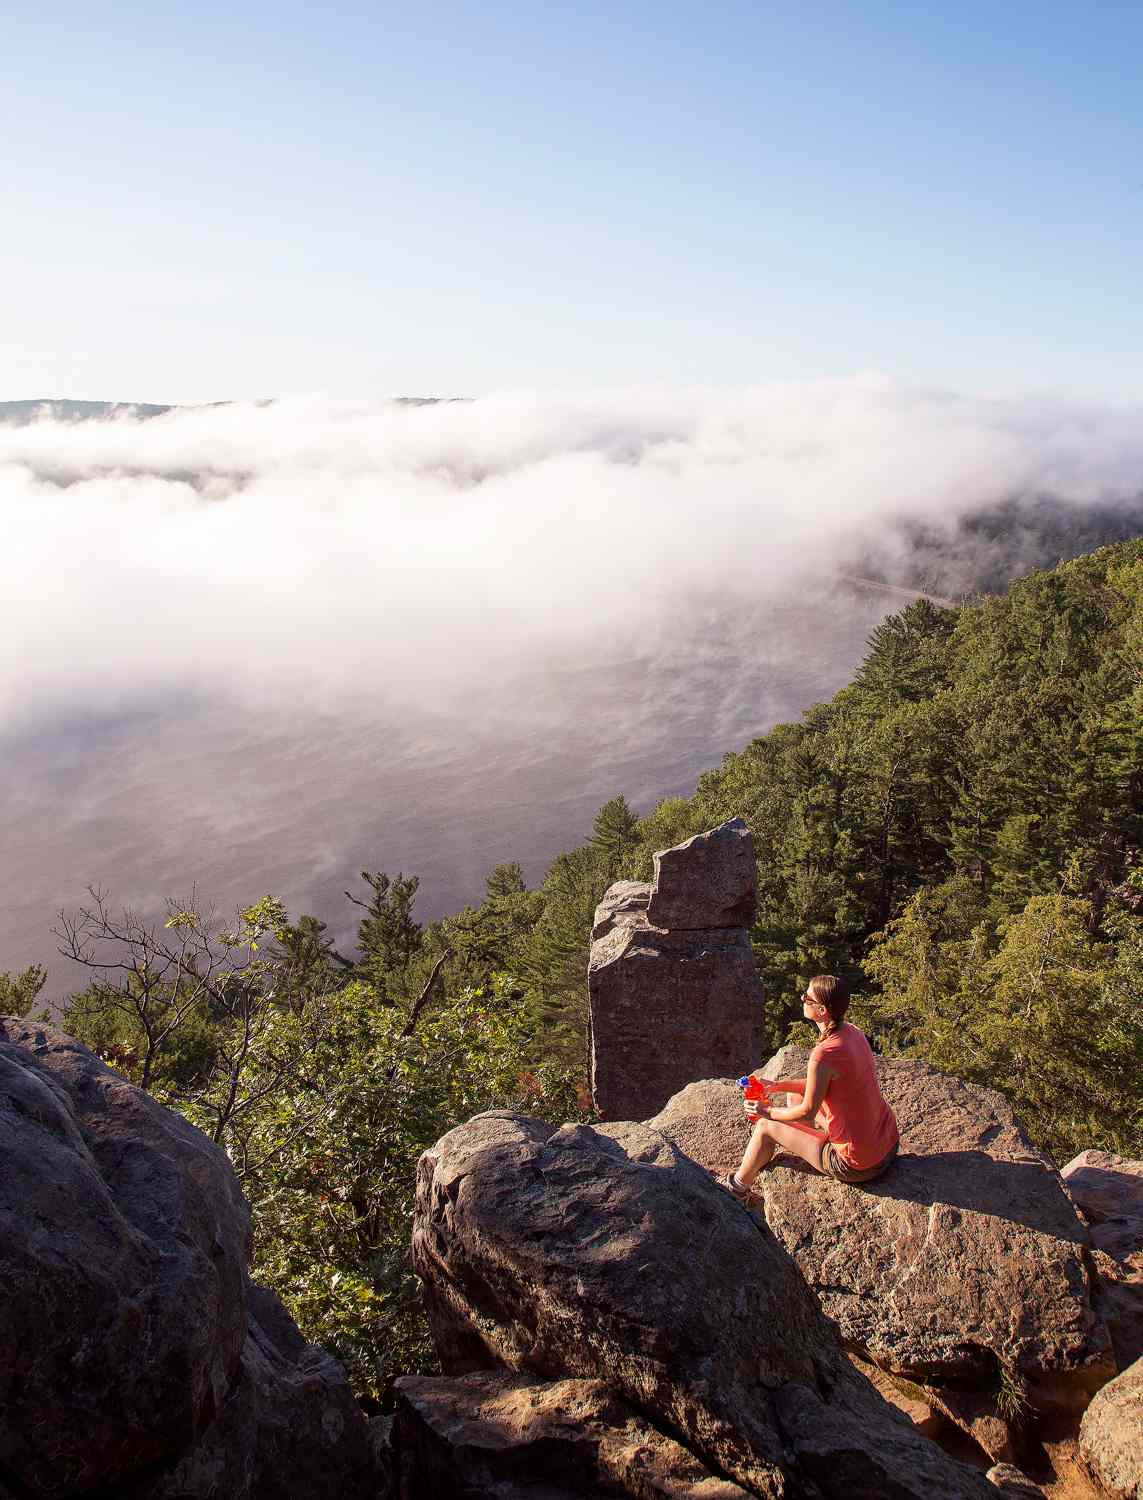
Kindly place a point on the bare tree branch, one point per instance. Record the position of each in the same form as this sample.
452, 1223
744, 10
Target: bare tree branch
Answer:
422, 999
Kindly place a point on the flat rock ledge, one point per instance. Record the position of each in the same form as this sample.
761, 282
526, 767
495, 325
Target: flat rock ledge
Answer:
136, 1359
1111, 1435
965, 1269
606, 1254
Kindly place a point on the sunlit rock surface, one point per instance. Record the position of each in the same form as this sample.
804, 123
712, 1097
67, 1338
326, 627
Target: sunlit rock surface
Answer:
966, 1260
673, 989
709, 880
494, 1434
1111, 1435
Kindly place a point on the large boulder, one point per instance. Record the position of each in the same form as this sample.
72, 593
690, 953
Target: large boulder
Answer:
123, 1243
1108, 1189
672, 985
1109, 1192
607, 1254
291, 1426
125, 1336
709, 880
494, 1434
1111, 1435
963, 1269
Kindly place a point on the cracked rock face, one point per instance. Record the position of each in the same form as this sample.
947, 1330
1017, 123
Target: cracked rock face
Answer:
673, 989
506, 1435
1111, 1435
606, 1254
965, 1259
129, 1362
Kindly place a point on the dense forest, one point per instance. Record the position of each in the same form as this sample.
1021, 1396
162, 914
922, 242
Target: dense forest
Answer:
959, 831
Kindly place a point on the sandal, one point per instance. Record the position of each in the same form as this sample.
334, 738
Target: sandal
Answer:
730, 1182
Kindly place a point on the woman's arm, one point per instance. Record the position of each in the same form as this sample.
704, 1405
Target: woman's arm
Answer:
818, 1077
780, 1085
787, 1085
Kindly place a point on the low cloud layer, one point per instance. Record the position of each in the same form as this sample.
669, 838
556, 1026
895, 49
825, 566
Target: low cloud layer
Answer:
337, 549
258, 645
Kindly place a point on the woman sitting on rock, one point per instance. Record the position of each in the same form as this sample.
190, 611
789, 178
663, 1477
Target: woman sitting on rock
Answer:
857, 1138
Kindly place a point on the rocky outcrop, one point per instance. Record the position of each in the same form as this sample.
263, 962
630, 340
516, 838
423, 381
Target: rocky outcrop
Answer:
507, 1435
607, 1254
709, 880
673, 990
129, 1362
963, 1269
1111, 1435
1108, 1190
123, 1241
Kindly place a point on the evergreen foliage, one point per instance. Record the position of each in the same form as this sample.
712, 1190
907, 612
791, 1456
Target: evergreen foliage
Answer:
387, 935
18, 991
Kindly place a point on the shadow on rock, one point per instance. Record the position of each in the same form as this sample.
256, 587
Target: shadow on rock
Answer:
977, 1183
136, 1360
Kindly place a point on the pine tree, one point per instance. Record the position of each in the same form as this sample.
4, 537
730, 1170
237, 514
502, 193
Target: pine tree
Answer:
387, 935
613, 837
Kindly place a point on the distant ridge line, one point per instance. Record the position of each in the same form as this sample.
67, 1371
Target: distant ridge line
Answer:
63, 409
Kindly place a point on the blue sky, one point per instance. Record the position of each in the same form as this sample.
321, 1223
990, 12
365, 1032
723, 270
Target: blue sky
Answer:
246, 201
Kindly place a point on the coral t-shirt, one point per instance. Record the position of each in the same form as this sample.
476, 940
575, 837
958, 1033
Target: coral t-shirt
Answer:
860, 1125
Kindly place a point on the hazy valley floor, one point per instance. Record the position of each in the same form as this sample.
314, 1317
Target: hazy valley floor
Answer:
296, 799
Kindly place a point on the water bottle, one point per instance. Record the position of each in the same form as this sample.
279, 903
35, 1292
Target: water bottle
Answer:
754, 1088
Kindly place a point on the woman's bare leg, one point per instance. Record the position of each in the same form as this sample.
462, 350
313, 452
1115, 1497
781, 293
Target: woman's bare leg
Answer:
801, 1140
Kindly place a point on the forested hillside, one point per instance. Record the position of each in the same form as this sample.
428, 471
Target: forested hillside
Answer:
959, 831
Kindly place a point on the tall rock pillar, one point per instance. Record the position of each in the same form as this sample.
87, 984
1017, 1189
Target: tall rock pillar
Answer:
673, 992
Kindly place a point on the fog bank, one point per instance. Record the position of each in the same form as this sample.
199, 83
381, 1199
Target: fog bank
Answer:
257, 646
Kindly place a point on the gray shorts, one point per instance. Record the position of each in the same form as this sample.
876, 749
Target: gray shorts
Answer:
833, 1166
